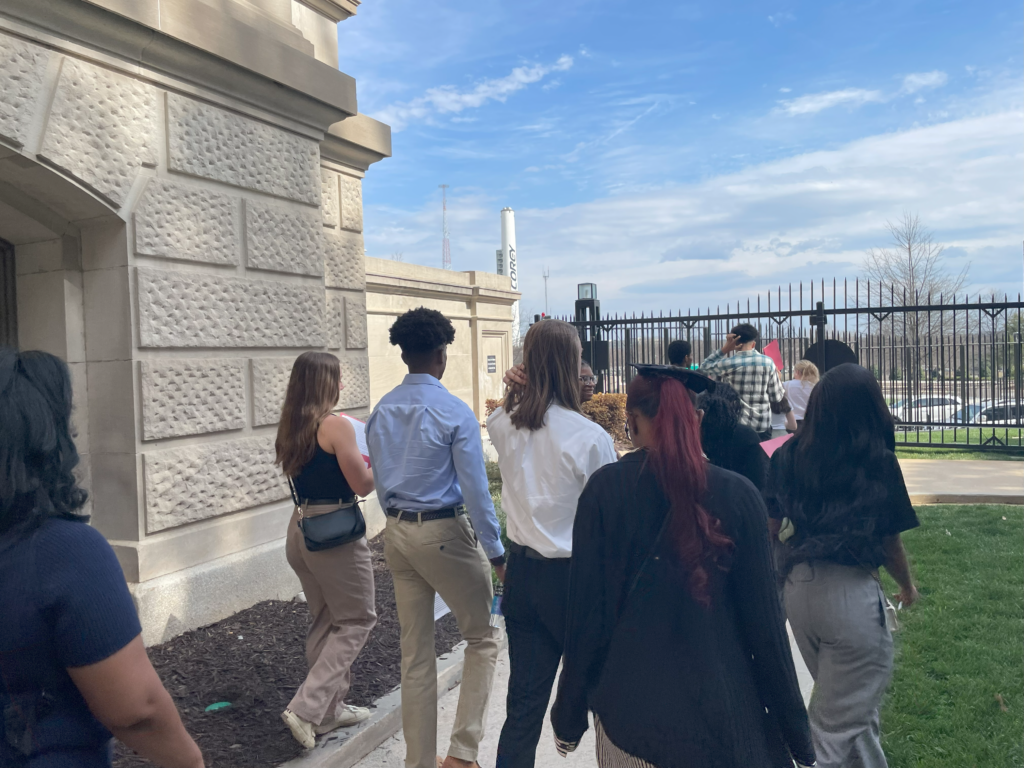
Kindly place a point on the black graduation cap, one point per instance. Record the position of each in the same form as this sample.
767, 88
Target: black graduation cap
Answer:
693, 381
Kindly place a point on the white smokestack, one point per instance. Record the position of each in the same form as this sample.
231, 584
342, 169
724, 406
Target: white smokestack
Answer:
508, 258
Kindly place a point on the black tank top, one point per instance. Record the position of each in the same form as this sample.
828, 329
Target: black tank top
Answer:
322, 478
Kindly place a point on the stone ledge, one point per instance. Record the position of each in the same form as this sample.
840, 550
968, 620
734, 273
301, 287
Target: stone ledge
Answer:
385, 721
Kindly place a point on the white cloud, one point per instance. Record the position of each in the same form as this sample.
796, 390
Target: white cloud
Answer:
816, 102
733, 236
917, 81
448, 99
854, 97
778, 19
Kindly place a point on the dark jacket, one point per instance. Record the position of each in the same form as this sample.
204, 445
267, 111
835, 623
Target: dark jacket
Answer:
674, 683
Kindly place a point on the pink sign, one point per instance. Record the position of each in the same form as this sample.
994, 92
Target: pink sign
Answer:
772, 350
771, 446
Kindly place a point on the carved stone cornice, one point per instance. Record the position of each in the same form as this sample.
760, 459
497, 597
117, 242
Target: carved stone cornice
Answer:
357, 142
212, 51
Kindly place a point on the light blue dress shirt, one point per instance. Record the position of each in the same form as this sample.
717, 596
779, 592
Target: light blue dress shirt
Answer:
426, 454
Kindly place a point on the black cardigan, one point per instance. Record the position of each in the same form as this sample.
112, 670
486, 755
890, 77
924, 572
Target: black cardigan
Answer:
673, 683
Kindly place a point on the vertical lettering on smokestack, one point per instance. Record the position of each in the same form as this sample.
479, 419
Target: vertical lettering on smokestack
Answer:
508, 253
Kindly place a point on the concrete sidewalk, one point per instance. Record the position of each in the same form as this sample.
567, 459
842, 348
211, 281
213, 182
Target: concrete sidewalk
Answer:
935, 481
391, 754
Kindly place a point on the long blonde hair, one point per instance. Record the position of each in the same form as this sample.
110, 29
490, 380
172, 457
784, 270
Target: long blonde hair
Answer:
312, 395
551, 354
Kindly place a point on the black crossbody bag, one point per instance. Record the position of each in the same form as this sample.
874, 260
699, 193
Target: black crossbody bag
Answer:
331, 529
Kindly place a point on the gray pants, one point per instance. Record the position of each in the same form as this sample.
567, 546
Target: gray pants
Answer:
838, 617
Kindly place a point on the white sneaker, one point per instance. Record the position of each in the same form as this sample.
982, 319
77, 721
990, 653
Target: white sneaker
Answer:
302, 730
349, 716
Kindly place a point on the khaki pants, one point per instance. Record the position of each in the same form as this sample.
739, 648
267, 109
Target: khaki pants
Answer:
441, 556
338, 583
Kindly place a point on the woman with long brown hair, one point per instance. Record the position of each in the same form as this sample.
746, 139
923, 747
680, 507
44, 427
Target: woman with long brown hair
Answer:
674, 637
547, 450
318, 452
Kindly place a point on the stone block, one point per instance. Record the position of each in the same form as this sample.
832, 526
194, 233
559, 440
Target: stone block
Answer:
269, 383
355, 375
184, 309
204, 594
108, 314
102, 128
192, 397
202, 481
351, 204
22, 72
335, 331
329, 203
177, 221
355, 322
214, 144
283, 239
344, 266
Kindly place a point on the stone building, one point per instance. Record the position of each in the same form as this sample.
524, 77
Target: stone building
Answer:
180, 216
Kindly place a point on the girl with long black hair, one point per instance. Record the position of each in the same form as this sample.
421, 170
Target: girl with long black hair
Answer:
675, 638
839, 485
73, 669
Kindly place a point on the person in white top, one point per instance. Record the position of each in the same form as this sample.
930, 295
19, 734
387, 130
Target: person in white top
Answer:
798, 389
547, 450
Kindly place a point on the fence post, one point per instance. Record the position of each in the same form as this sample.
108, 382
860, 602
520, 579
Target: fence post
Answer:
627, 353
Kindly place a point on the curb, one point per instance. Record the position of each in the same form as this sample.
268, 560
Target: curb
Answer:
966, 498
346, 747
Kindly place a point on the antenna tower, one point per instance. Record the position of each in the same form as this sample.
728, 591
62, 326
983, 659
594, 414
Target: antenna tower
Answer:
547, 274
446, 248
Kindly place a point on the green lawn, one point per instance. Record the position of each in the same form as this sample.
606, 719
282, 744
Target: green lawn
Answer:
957, 695
953, 453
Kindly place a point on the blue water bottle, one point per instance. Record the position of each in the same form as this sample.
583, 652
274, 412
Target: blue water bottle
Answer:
497, 620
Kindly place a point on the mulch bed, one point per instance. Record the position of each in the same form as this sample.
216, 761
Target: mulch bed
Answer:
256, 660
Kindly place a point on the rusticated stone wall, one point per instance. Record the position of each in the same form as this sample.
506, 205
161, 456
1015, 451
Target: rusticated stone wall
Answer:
215, 246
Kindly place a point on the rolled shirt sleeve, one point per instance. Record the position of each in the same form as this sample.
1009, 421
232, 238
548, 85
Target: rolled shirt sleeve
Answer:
776, 392
714, 363
468, 457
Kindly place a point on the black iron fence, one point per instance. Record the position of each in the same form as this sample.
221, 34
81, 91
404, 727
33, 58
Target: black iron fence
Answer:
949, 367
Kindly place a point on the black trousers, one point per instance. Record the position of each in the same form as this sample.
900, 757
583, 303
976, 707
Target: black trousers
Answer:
534, 605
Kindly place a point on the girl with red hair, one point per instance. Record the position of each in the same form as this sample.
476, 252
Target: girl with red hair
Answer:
675, 638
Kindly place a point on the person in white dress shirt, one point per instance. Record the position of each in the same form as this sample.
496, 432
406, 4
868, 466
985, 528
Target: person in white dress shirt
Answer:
547, 450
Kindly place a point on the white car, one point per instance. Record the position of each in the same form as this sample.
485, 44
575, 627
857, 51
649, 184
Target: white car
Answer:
1003, 414
934, 409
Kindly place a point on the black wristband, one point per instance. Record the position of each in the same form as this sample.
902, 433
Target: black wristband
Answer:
498, 561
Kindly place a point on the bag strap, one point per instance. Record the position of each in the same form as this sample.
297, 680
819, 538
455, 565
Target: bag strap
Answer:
295, 496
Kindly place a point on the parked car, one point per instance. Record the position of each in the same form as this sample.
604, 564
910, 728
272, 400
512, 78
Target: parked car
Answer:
935, 409
969, 412
1004, 413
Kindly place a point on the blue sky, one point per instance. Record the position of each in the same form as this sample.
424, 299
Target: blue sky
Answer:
682, 155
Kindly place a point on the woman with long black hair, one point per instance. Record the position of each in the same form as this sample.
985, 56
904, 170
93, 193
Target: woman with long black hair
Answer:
73, 669
675, 638
839, 485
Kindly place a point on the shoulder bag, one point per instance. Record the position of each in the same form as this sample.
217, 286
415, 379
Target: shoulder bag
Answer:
331, 529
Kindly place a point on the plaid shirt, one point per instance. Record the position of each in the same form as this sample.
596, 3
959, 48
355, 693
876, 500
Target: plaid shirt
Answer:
756, 381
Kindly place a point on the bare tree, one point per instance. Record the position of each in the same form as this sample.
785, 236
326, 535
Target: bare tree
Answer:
398, 256
912, 265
